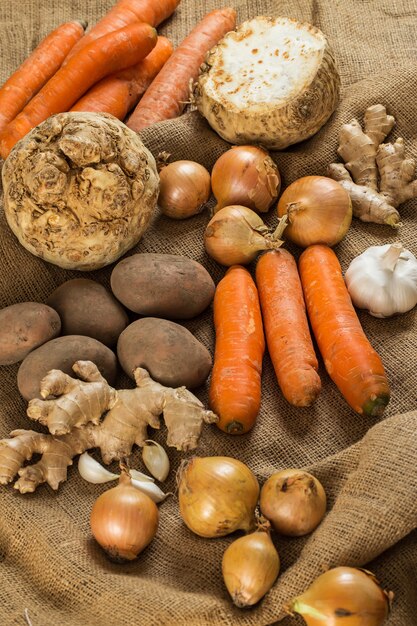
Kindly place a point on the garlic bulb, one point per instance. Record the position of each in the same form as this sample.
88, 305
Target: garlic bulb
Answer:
383, 280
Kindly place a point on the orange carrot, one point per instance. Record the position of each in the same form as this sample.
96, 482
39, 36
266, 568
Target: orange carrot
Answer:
119, 93
350, 360
235, 386
169, 92
286, 327
127, 12
111, 53
37, 69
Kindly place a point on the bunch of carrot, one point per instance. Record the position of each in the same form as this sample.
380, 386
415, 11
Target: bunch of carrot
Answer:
109, 69
283, 301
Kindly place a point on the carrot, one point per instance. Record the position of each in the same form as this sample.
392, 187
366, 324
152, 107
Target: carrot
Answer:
235, 385
350, 360
37, 69
169, 92
113, 52
119, 93
127, 12
286, 327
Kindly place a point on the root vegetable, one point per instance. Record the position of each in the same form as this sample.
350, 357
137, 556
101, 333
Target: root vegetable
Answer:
184, 189
235, 384
130, 412
79, 190
87, 308
217, 495
273, 81
25, 326
250, 566
171, 353
350, 360
318, 211
124, 520
162, 285
343, 595
60, 354
245, 175
377, 176
286, 327
293, 501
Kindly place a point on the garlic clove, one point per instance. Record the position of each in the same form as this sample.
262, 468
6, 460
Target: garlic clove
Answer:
141, 476
155, 459
92, 471
153, 491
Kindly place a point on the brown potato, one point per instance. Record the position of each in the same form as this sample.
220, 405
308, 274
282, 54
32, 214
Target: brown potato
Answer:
87, 308
24, 327
61, 353
170, 353
162, 285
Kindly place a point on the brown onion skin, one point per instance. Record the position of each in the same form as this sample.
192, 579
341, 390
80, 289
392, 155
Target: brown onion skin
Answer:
245, 175
344, 596
184, 189
319, 211
124, 520
217, 495
293, 501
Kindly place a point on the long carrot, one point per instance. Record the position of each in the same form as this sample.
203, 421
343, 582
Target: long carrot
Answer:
127, 12
350, 360
235, 385
286, 327
106, 55
119, 93
37, 69
169, 92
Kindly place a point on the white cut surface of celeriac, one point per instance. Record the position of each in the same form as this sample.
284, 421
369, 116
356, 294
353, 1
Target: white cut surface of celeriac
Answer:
272, 81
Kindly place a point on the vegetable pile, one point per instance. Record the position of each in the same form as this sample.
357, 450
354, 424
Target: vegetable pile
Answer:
80, 189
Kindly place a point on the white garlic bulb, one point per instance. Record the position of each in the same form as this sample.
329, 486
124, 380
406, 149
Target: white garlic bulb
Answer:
383, 280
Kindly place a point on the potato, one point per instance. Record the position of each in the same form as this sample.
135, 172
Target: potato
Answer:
162, 285
24, 327
170, 353
87, 308
61, 353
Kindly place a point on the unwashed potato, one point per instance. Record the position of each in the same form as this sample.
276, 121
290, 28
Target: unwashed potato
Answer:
162, 285
61, 353
87, 308
170, 353
24, 327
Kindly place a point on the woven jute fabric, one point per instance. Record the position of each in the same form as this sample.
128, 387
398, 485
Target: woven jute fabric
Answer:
52, 571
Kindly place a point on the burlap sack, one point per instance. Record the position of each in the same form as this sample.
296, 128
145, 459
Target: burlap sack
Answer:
52, 571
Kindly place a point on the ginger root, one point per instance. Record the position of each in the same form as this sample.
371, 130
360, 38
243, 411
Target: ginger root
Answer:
377, 176
75, 413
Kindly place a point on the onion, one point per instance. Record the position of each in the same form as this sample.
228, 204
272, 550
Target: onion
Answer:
124, 520
250, 566
245, 175
236, 234
217, 495
343, 595
319, 211
293, 501
184, 188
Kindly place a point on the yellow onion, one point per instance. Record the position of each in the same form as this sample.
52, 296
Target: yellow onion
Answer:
217, 495
184, 189
293, 501
245, 175
319, 210
236, 234
124, 520
343, 596
250, 566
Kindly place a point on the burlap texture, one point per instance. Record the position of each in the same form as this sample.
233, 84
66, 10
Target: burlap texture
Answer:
49, 563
